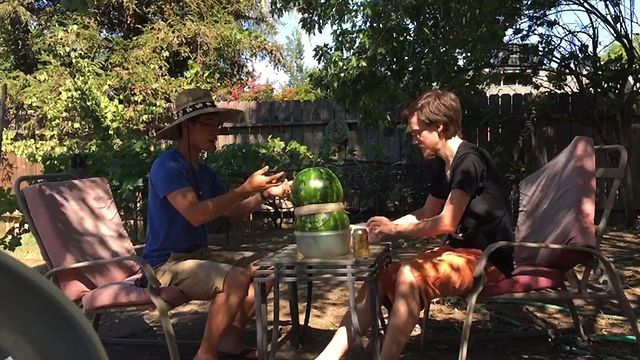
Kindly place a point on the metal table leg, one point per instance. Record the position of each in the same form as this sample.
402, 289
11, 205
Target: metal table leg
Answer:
375, 307
293, 309
355, 329
307, 310
275, 329
260, 289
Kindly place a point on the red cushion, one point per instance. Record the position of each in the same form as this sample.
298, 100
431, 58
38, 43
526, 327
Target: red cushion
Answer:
526, 279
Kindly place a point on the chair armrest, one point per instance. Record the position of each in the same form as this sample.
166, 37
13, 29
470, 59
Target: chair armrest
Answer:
152, 279
484, 258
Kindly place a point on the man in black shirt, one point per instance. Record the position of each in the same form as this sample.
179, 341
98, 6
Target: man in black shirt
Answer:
467, 202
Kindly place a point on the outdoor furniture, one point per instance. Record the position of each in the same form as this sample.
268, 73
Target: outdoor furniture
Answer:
88, 252
286, 266
556, 233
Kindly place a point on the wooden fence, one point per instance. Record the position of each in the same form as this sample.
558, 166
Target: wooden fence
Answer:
13, 167
490, 121
306, 122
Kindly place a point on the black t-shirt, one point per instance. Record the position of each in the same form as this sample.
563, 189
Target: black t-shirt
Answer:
487, 218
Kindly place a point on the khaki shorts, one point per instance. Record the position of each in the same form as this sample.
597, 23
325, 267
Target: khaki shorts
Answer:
200, 274
443, 271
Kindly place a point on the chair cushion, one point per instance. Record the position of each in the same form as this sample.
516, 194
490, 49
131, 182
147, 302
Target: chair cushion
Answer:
126, 293
524, 279
557, 206
78, 221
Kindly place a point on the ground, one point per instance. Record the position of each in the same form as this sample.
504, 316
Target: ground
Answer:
547, 329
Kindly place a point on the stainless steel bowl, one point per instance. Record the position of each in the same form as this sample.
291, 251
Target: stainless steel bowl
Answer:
323, 244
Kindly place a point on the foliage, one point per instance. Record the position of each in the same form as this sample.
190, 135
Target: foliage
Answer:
251, 91
235, 162
384, 53
294, 53
616, 52
99, 82
9, 205
308, 90
595, 54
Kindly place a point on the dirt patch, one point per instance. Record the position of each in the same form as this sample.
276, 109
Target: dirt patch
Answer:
546, 330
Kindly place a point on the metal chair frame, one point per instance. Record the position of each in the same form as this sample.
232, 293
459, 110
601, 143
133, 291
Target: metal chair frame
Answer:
153, 283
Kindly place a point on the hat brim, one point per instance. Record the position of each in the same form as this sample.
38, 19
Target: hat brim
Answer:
170, 132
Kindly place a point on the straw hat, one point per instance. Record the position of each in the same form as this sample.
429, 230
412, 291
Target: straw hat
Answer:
191, 103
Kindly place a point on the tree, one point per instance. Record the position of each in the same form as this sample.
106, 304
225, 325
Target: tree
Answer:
384, 53
294, 53
588, 46
100, 81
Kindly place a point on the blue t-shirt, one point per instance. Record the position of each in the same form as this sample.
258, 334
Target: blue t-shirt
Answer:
167, 230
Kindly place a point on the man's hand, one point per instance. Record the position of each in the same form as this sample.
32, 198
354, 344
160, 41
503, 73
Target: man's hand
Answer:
258, 181
379, 226
283, 190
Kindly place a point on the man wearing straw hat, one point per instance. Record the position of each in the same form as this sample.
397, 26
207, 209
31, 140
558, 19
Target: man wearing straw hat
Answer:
184, 195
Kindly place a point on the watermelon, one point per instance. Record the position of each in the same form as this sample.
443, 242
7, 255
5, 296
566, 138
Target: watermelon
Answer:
331, 221
316, 185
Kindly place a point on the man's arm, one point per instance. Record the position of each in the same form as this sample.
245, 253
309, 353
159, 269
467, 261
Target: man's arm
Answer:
252, 203
198, 212
445, 222
245, 207
432, 207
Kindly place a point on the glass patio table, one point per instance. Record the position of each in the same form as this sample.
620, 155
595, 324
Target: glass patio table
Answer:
287, 266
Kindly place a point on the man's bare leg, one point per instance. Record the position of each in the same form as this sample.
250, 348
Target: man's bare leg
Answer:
222, 311
404, 315
231, 341
343, 337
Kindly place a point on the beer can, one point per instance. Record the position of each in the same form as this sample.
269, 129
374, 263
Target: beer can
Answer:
360, 239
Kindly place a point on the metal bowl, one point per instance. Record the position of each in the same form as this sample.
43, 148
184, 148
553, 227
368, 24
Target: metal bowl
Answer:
323, 244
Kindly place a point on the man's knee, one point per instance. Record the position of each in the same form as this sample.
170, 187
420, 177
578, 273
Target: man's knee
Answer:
405, 275
238, 278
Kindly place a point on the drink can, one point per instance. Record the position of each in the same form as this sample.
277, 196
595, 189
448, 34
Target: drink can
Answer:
360, 239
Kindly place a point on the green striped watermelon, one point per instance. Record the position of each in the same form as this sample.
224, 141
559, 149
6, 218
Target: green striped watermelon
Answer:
335, 220
316, 185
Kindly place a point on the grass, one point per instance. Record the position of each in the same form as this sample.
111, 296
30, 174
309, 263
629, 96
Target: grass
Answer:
28, 252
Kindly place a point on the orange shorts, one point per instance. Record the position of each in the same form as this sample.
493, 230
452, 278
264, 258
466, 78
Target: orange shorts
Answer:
443, 271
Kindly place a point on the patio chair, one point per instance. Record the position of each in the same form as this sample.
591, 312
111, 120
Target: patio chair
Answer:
88, 252
555, 233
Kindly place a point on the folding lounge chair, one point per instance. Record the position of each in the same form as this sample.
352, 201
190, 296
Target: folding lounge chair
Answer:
88, 252
555, 233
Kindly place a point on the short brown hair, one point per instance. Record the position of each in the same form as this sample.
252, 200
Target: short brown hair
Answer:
438, 107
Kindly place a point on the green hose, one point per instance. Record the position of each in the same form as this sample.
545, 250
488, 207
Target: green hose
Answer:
629, 339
